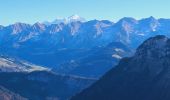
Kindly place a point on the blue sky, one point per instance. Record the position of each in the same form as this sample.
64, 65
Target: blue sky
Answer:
31, 11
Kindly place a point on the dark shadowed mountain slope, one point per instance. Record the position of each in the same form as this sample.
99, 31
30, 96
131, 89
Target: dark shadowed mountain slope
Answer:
36, 82
44, 85
145, 76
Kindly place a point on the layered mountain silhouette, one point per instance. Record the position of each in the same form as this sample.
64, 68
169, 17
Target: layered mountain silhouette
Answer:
58, 45
78, 34
144, 76
21, 80
76, 53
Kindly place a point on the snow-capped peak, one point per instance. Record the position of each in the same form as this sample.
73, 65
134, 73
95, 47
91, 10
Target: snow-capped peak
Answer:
73, 18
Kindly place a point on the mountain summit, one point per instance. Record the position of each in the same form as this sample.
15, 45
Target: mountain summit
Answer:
158, 47
75, 18
70, 19
145, 76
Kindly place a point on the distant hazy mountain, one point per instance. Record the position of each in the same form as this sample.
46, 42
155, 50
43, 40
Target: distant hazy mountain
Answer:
145, 76
73, 18
55, 45
79, 34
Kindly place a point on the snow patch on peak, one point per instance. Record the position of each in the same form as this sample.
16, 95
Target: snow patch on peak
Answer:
116, 56
73, 18
119, 50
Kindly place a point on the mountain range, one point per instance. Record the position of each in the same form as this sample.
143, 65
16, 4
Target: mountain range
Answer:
61, 44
